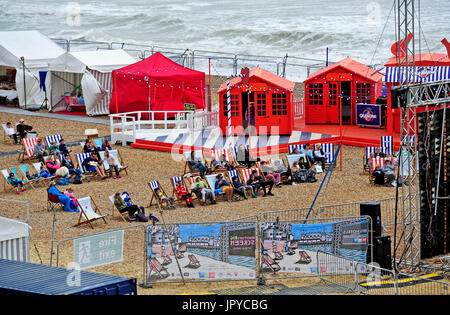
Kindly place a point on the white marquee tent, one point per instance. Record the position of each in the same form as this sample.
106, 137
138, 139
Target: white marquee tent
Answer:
38, 52
90, 70
14, 240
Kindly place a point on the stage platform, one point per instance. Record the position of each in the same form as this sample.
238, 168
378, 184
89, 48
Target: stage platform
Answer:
181, 140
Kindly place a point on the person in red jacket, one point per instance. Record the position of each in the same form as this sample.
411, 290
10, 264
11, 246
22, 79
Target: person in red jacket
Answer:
184, 195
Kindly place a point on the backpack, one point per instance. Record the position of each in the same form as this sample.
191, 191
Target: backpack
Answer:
141, 217
63, 182
77, 180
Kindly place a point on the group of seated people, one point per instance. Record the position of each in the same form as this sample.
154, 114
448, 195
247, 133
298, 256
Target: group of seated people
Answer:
19, 133
123, 203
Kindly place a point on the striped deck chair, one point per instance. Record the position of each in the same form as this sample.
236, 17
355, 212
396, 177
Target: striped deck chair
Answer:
24, 179
245, 174
187, 157
174, 181
155, 270
153, 186
387, 142
411, 139
89, 212
28, 147
328, 149
217, 155
118, 156
375, 162
292, 147
369, 151
80, 159
234, 173
50, 139
114, 209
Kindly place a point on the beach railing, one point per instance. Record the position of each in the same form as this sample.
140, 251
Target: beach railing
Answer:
299, 109
203, 120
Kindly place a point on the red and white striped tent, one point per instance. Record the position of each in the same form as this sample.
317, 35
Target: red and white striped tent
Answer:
90, 70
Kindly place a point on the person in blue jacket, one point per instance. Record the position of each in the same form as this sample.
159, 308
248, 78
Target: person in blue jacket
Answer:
69, 206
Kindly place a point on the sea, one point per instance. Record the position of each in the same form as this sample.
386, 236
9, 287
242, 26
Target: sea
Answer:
363, 30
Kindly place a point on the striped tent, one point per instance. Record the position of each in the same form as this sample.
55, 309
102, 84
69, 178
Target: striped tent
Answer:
14, 240
424, 74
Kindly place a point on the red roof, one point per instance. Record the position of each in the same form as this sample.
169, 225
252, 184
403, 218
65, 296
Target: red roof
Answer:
424, 60
352, 66
263, 75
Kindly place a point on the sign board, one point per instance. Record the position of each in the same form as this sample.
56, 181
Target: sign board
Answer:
98, 250
189, 107
368, 115
336, 77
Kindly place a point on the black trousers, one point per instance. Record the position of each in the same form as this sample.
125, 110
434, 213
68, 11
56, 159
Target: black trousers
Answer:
269, 183
132, 210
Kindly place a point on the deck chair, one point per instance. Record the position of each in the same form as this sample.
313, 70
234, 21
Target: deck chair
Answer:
50, 139
6, 184
193, 262
375, 162
292, 147
304, 258
294, 158
28, 147
387, 142
118, 156
291, 251
187, 156
80, 158
53, 203
153, 186
166, 260
37, 167
7, 139
211, 180
114, 209
328, 149
235, 151
270, 263
24, 169
217, 155
174, 181
98, 143
245, 173
25, 181
156, 269
278, 255
89, 212
234, 173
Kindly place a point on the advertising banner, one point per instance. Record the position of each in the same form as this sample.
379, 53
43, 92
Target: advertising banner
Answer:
368, 115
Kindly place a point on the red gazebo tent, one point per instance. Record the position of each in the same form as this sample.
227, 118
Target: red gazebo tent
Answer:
269, 104
354, 82
156, 84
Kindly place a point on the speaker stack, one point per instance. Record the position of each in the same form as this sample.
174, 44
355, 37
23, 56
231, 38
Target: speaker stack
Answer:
435, 234
381, 244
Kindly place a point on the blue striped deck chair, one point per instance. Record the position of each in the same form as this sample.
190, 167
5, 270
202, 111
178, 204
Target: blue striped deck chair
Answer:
117, 155
231, 174
411, 139
388, 143
328, 150
22, 178
153, 186
292, 147
50, 139
80, 158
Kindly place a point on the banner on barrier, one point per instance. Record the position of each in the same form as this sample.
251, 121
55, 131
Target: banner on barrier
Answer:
291, 247
204, 251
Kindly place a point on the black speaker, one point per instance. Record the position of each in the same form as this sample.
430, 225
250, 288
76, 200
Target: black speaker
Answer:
373, 210
396, 95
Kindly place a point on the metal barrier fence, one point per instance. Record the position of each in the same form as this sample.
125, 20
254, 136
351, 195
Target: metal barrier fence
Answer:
133, 247
286, 215
370, 279
16, 209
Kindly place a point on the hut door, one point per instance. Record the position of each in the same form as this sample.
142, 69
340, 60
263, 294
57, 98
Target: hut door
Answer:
346, 93
333, 104
263, 117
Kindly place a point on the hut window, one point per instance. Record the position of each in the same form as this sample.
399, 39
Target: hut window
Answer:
363, 93
316, 94
261, 104
234, 102
333, 94
279, 104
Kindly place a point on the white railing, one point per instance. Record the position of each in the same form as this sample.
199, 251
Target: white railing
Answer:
203, 120
299, 109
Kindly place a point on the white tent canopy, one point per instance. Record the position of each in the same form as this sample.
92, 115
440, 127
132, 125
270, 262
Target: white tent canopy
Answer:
14, 240
92, 71
38, 52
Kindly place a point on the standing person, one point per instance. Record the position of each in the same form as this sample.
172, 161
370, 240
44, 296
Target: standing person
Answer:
23, 129
113, 164
123, 207
10, 132
184, 195
200, 188
221, 186
39, 150
14, 181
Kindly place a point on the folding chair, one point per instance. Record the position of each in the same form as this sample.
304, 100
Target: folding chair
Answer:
50, 139
235, 153
187, 156
217, 156
174, 181
53, 202
234, 173
28, 148
114, 209
193, 262
7, 139
294, 158
5, 174
304, 259
328, 150
158, 270
211, 180
89, 212
24, 169
118, 156
153, 186
23, 179
375, 162
245, 173
270, 263
292, 147
387, 142
80, 159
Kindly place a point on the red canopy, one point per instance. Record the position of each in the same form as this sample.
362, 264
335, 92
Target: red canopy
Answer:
165, 83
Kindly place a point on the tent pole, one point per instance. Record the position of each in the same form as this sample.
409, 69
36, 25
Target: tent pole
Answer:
210, 95
24, 84
340, 122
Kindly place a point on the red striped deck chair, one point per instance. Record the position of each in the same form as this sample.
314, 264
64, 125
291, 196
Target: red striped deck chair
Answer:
217, 156
375, 162
174, 181
245, 174
28, 147
155, 270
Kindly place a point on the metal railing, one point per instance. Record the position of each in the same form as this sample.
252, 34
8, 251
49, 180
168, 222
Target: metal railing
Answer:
299, 109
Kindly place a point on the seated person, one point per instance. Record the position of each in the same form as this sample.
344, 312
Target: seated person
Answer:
319, 155
54, 149
256, 179
389, 173
106, 145
200, 189
63, 199
123, 207
23, 129
39, 150
67, 162
52, 166
281, 169
198, 165
270, 173
221, 186
113, 164
296, 151
369, 161
170, 201
10, 132
184, 195
90, 148
32, 177
92, 165
69, 193
15, 182
243, 157
63, 147
239, 187
44, 173
223, 163
379, 154
306, 173
378, 176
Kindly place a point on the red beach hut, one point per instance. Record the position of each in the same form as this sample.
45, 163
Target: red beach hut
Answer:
354, 82
268, 108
